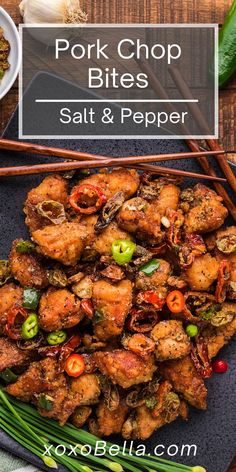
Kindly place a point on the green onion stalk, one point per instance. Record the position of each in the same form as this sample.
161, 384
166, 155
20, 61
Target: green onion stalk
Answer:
24, 424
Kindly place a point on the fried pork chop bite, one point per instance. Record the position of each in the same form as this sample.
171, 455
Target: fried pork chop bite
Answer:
102, 241
203, 208
144, 420
140, 217
157, 281
202, 273
59, 309
64, 242
217, 336
11, 355
118, 180
108, 421
185, 380
53, 187
10, 295
171, 340
41, 384
88, 389
112, 303
27, 268
124, 367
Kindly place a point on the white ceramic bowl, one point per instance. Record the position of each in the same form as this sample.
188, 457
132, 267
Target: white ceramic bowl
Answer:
11, 34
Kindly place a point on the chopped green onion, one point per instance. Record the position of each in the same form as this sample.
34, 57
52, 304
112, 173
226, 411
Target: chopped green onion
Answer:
150, 267
45, 402
25, 246
8, 376
31, 298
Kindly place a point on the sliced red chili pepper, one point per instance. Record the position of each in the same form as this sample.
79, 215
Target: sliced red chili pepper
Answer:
152, 298
67, 349
87, 307
75, 365
200, 358
83, 195
12, 330
175, 301
142, 321
222, 281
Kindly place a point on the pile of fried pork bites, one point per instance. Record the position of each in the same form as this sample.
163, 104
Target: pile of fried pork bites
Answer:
136, 285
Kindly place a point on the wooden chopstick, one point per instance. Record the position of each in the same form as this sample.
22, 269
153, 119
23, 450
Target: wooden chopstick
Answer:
65, 166
192, 143
19, 146
200, 119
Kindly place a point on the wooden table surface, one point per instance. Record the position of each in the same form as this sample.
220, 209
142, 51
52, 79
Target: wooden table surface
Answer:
149, 11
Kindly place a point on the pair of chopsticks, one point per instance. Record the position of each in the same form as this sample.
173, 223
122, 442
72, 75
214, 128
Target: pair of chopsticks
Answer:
192, 143
85, 160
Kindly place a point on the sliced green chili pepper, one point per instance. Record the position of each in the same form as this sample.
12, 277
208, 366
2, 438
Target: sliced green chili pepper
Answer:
56, 337
8, 376
25, 246
31, 298
5, 272
150, 267
122, 250
227, 46
30, 327
45, 402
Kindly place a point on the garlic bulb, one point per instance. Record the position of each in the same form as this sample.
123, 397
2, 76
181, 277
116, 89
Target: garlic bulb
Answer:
52, 11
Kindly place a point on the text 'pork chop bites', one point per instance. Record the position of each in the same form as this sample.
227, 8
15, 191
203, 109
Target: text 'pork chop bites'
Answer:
185, 380
124, 367
59, 309
27, 268
171, 340
10, 295
54, 188
64, 242
205, 211
112, 303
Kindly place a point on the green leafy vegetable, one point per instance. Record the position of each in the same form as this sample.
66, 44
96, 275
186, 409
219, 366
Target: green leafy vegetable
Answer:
31, 298
150, 267
25, 247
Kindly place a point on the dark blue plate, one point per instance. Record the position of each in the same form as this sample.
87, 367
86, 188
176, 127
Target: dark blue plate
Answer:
212, 431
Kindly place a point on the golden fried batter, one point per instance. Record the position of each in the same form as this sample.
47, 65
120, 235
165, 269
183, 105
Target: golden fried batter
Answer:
118, 180
27, 268
206, 212
140, 217
124, 367
202, 273
112, 303
171, 340
59, 309
64, 242
108, 422
157, 281
10, 295
87, 387
53, 187
147, 420
185, 380
11, 355
217, 337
